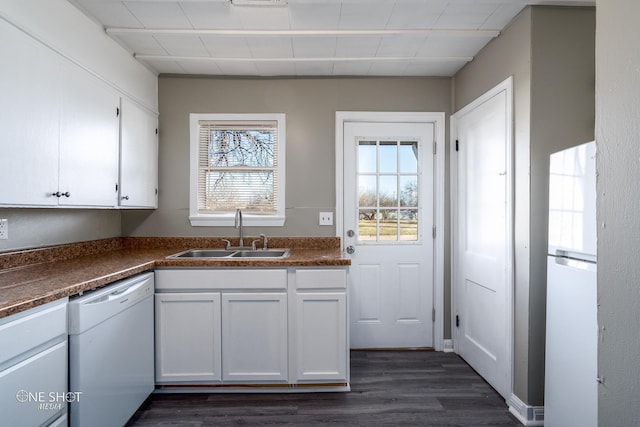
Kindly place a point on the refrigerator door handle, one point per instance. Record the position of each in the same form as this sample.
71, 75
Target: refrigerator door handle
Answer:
579, 256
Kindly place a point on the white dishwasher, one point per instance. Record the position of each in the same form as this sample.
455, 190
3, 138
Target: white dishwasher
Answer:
111, 352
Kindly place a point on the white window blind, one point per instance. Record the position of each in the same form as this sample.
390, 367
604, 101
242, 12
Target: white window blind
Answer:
237, 164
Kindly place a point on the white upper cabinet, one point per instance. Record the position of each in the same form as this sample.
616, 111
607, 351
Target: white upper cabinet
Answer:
89, 133
65, 138
29, 120
138, 157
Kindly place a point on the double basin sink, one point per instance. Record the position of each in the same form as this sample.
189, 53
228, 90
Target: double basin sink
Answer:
228, 253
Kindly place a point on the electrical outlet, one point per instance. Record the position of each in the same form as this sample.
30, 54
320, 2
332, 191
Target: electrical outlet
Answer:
4, 229
326, 218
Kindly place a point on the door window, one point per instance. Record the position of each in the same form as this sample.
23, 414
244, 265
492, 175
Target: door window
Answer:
387, 178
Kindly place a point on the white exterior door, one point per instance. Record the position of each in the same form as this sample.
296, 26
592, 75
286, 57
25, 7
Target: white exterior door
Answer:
388, 217
482, 236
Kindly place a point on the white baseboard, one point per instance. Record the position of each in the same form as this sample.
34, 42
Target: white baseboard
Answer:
448, 346
527, 415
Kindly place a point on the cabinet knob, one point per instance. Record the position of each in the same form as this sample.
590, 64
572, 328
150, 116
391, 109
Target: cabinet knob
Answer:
125, 197
57, 194
67, 194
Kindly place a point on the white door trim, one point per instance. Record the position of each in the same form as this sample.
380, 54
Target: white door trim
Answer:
438, 119
506, 85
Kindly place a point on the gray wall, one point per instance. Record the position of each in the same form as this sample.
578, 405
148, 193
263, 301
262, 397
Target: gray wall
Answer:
550, 54
30, 228
310, 106
618, 142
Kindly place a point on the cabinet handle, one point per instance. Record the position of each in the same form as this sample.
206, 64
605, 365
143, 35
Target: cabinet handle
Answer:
125, 197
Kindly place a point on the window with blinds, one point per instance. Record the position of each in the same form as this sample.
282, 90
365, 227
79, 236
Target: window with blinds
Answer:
239, 165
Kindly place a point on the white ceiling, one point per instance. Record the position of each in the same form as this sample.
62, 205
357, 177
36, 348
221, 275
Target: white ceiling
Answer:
306, 37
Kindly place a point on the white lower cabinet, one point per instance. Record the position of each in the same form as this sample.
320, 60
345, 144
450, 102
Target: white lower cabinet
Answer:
188, 337
320, 326
321, 336
248, 326
254, 337
33, 366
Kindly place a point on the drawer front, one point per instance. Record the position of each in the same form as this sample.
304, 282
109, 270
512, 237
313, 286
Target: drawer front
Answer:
34, 390
202, 279
329, 278
27, 330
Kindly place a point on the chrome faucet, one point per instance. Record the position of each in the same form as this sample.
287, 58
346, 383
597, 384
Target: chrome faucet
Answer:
238, 224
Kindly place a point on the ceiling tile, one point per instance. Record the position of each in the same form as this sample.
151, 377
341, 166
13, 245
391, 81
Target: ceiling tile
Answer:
110, 13
270, 47
502, 16
180, 45
400, 45
313, 47
226, 47
388, 68
143, 44
240, 68
166, 67
416, 14
357, 46
201, 67
369, 15
158, 14
466, 15
209, 14
315, 16
261, 18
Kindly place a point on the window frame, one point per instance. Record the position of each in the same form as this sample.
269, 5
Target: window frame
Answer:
199, 219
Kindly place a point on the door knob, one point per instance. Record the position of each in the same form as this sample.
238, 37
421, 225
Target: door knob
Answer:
350, 249
351, 233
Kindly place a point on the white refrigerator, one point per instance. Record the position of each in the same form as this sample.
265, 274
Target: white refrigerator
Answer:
572, 327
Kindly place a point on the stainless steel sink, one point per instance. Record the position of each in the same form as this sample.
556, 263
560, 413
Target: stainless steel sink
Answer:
240, 253
262, 253
203, 253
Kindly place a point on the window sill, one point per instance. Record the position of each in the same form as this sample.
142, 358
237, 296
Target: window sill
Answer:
229, 220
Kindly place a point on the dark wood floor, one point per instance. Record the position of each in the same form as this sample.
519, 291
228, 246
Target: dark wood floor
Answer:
389, 388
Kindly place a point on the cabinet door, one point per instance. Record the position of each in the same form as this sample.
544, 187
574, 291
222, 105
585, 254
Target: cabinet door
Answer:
254, 336
89, 135
188, 337
321, 336
138, 157
29, 110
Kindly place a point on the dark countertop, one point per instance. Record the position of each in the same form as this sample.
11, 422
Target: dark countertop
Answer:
34, 277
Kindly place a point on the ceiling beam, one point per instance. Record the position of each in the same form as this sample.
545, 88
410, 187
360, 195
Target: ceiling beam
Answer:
303, 33
308, 59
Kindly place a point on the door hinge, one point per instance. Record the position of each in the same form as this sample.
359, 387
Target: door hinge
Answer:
457, 147
435, 148
457, 321
433, 314
433, 232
